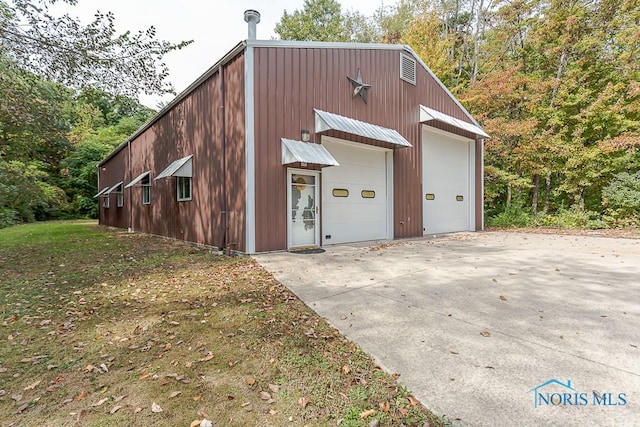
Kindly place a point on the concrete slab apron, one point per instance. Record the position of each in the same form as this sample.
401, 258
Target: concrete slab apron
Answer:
562, 307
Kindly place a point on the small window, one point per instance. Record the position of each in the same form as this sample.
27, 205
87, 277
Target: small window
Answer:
430, 196
184, 188
368, 194
407, 68
146, 189
105, 202
340, 192
459, 198
119, 196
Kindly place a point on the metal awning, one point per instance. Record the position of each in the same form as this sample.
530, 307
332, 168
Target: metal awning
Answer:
180, 167
112, 189
138, 179
329, 121
428, 114
306, 152
101, 193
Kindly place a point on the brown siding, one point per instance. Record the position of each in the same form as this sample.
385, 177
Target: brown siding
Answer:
192, 127
291, 82
110, 175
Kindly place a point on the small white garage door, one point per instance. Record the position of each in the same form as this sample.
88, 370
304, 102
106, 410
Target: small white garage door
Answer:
354, 194
446, 197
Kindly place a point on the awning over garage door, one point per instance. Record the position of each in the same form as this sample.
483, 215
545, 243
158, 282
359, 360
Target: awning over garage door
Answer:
329, 121
428, 114
306, 152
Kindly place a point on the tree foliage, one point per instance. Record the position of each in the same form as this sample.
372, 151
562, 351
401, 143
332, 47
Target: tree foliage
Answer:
324, 20
555, 83
62, 49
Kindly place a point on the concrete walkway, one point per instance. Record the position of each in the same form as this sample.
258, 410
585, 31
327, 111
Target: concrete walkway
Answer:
473, 322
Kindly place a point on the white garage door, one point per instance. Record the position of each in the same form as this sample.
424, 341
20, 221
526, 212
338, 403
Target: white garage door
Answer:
446, 198
354, 194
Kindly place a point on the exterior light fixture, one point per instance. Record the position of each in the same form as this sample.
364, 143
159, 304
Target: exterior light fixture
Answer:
305, 135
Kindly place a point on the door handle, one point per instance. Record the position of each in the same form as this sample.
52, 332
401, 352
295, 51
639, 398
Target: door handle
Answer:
317, 210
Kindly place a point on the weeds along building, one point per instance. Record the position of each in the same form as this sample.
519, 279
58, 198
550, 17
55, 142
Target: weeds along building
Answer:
285, 144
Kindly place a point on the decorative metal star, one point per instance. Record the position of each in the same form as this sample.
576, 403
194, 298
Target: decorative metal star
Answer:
359, 88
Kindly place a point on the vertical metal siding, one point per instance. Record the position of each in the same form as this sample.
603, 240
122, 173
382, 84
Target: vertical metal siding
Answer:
193, 126
290, 82
110, 174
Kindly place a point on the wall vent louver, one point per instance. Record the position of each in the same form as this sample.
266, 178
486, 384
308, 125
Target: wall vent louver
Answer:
407, 69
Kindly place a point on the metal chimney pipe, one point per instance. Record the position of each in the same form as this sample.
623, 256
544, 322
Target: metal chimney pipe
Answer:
252, 17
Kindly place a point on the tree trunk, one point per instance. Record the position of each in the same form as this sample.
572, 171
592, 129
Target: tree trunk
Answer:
509, 195
479, 31
536, 192
547, 192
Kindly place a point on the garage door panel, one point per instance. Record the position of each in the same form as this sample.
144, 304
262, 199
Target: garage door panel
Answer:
354, 218
446, 165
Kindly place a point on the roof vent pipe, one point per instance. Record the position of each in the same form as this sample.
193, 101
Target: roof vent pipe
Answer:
252, 17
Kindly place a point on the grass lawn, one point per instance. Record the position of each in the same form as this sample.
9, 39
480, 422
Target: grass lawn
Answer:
106, 328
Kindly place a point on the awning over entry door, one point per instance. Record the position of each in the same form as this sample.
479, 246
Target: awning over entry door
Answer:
306, 152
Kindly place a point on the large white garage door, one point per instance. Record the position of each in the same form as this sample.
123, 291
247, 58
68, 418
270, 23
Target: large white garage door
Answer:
446, 195
354, 194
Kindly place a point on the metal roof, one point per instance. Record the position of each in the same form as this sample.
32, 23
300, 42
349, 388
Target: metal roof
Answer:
180, 167
427, 114
137, 179
328, 121
101, 193
306, 152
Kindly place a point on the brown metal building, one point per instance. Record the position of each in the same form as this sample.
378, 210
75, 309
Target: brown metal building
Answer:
293, 144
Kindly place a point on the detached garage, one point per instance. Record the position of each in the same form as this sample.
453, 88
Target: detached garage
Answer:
301, 144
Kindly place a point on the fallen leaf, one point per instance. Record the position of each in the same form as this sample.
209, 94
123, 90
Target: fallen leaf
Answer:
395, 376
104, 367
32, 386
89, 368
264, 395
196, 398
250, 381
119, 398
485, 333
115, 409
346, 369
206, 358
274, 388
155, 408
206, 423
272, 412
16, 397
303, 401
188, 364
22, 408
412, 401
82, 395
195, 423
503, 298
138, 409
175, 394
143, 376
3, 370
367, 413
100, 402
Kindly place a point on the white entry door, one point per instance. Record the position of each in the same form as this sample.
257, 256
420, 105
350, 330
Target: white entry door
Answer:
303, 211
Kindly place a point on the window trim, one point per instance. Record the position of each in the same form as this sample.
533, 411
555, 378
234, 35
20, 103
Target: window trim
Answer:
105, 202
146, 189
119, 196
178, 187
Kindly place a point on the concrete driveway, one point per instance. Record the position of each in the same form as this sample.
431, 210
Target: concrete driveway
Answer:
473, 322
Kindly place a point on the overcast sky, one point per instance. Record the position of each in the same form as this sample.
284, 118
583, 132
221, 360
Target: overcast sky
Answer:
215, 26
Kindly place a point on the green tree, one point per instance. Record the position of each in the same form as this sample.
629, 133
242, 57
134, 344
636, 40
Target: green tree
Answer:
323, 20
64, 50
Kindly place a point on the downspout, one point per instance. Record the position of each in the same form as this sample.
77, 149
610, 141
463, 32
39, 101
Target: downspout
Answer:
225, 216
130, 228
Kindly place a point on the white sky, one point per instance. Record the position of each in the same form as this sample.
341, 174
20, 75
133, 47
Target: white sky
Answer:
215, 26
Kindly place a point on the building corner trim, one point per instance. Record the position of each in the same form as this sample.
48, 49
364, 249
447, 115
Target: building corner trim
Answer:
250, 166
